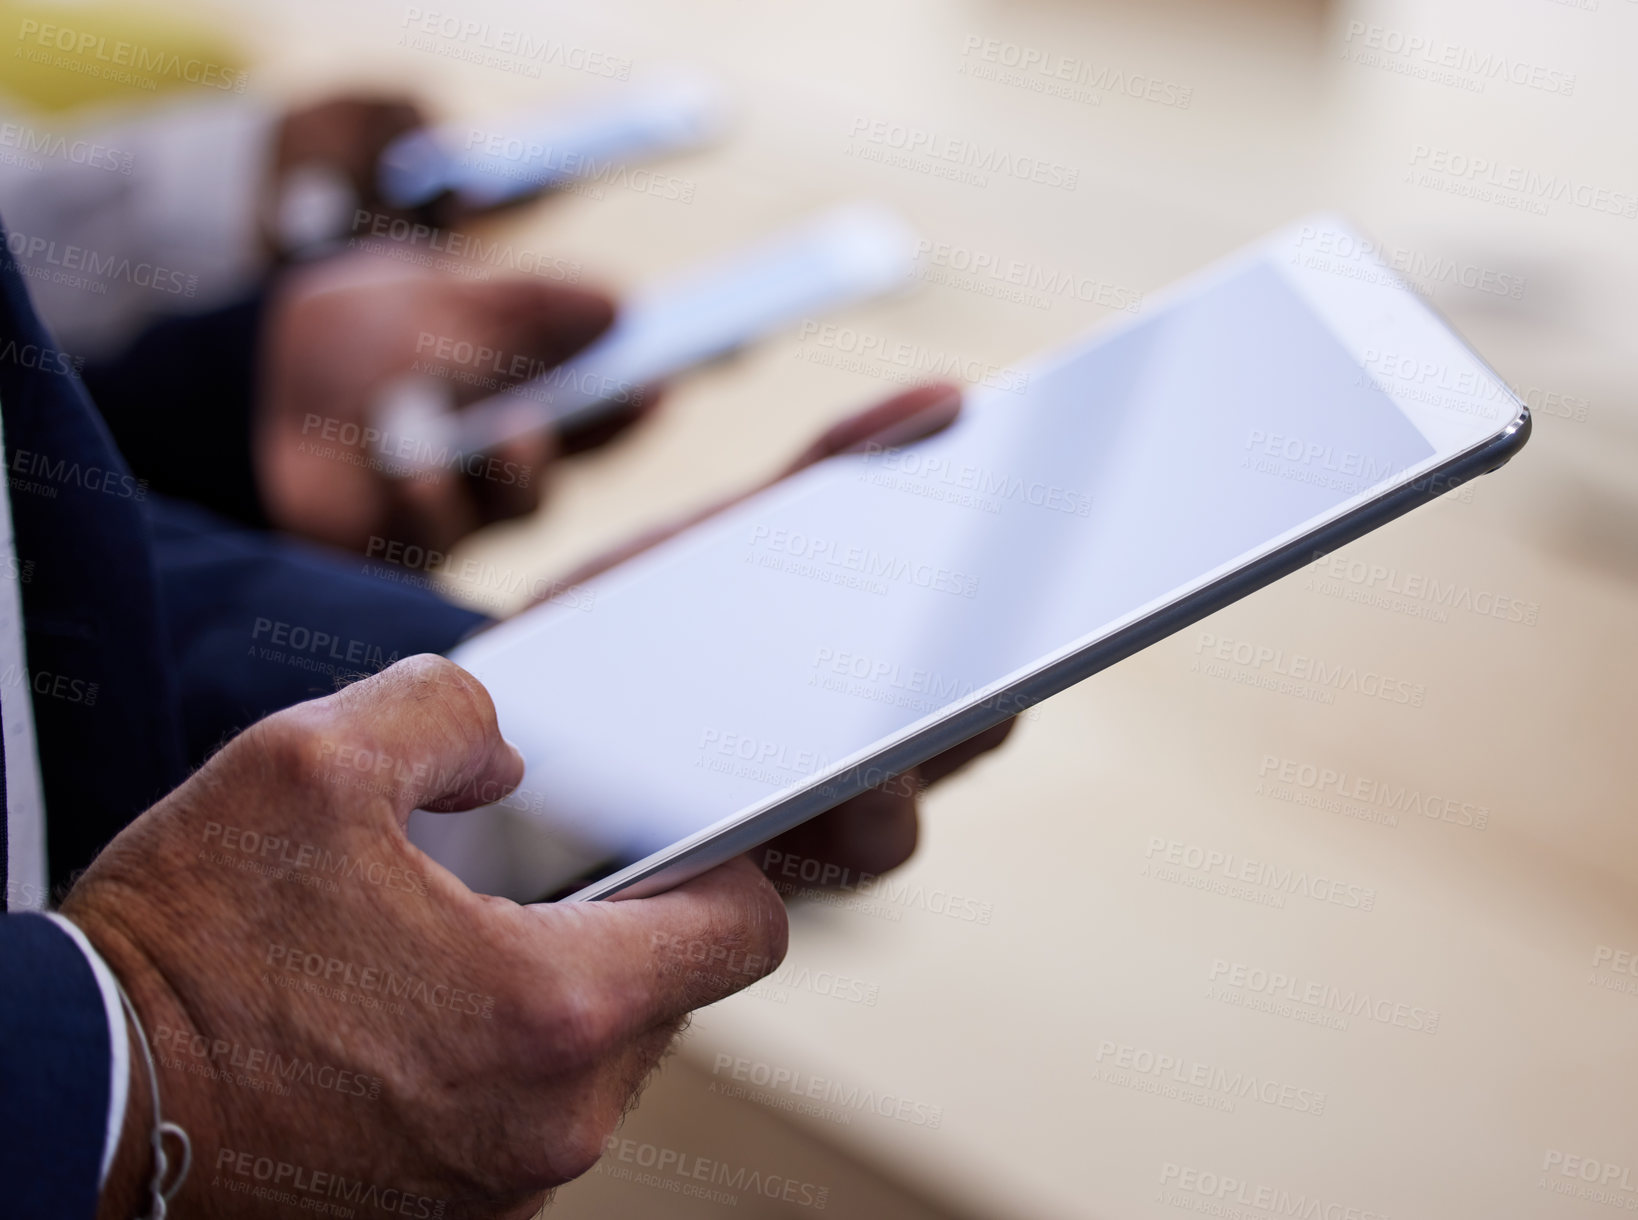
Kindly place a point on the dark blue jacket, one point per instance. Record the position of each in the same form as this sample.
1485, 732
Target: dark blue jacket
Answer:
154, 630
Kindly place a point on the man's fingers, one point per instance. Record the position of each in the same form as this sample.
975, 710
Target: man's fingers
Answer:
704, 940
611, 421
872, 833
345, 136
647, 962
577, 1113
522, 329
432, 508
510, 480
956, 757
385, 119
535, 324
421, 732
911, 416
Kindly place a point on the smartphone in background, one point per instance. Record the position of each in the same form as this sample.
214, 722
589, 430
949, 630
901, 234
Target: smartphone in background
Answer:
833, 631
486, 164
838, 258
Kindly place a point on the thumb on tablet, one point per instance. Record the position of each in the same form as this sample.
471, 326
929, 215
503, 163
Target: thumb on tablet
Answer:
422, 731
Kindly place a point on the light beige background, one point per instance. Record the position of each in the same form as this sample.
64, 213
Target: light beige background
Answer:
1000, 1026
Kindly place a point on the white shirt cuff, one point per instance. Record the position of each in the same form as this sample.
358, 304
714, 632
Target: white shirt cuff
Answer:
119, 1085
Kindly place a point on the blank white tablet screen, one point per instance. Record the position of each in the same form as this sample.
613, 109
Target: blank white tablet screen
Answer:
799, 630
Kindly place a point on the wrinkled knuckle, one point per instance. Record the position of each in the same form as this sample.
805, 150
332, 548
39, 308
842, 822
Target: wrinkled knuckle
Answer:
429, 673
570, 1147
582, 1145
293, 745
466, 699
576, 1028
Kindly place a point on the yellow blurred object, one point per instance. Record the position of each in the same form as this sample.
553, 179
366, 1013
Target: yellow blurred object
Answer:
67, 56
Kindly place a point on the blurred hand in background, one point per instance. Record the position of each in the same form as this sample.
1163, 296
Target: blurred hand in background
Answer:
338, 335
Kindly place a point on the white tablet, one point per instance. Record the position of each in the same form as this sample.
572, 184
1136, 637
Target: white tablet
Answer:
876, 609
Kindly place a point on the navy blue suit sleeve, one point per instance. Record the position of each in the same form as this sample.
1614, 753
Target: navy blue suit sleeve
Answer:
154, 630
180, 402
105, 705
259, 621
54, 1063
